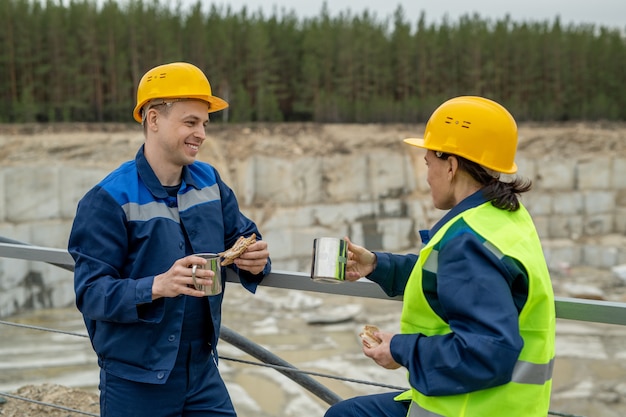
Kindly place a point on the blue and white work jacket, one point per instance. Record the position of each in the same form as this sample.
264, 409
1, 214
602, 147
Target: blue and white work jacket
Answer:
128, 229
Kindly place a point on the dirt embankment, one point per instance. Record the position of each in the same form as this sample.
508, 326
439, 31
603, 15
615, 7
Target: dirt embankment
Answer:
63, 397
107, 145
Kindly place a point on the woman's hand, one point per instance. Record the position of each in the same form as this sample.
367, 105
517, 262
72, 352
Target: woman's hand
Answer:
381, 354
361, 262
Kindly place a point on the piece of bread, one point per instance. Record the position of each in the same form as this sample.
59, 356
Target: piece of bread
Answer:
368, 338
237, 249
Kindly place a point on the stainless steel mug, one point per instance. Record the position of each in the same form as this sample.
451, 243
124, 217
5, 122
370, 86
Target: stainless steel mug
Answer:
213, 263
330, 258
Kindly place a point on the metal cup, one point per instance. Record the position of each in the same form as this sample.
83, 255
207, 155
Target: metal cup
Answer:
213, 263
330, 258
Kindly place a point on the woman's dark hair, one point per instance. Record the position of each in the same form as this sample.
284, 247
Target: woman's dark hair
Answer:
503, 195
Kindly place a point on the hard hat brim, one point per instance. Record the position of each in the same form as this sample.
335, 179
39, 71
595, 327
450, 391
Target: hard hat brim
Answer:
415, 142
420, 144
215, 104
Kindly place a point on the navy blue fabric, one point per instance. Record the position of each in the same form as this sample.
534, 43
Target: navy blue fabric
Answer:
473, 291
128, 229
377, 405
193, 389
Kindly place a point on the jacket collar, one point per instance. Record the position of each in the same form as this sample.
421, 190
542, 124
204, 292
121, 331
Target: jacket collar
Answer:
469, 202
149, 178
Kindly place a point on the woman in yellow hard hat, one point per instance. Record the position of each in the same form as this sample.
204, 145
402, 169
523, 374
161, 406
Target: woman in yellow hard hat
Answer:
134, 240
478, 323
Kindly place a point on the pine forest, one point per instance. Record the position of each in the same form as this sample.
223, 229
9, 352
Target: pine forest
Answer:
81, 61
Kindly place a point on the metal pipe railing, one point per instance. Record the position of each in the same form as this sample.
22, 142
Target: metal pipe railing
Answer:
566, 308
609, 312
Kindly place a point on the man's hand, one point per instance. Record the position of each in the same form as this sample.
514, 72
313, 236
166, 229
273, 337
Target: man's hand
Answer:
254, 258
177, 280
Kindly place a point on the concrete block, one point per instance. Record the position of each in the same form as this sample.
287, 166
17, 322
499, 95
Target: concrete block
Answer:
621, 255
63, 295
290, 265
356, 233
57, 284
287, 217
418, 170
433, 215
392, 208
52, 275
74, 184
620, 220
565, 227
542, 224
618, 175
597, 202
594, 174
288, 182
561, 254
345, 178
409, 175
50, 233
417, 212
526, 168
279, 243
12, 272
19, 232
538, 204
599, 256
12, 301
242, 174
337, 215
567, 203
396, 233
371, 236
598, 224
555, 174
32, 193
387, 174
3, 198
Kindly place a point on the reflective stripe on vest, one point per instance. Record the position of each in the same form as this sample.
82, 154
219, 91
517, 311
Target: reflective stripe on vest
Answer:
416, 411
532, 373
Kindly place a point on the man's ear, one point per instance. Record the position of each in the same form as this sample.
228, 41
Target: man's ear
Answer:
152, 119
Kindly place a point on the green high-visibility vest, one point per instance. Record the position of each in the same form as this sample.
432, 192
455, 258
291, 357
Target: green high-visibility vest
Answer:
509, 234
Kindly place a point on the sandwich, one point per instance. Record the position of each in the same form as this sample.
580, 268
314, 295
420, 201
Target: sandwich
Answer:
237, 249
368, 338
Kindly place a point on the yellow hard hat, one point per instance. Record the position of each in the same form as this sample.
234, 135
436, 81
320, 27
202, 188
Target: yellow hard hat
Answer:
474, 128
177, 80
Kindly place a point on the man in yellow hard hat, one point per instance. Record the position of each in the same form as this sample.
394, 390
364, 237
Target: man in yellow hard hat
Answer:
478, 324
134, 238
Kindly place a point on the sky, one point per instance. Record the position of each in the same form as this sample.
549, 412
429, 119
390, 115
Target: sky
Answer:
610, 13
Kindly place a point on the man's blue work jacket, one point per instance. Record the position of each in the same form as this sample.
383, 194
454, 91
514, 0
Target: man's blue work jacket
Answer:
128, 229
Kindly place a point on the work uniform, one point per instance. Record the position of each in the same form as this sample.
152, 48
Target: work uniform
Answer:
128, 229
478, 322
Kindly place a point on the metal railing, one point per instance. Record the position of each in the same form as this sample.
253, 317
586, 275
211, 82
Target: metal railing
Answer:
566, 308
